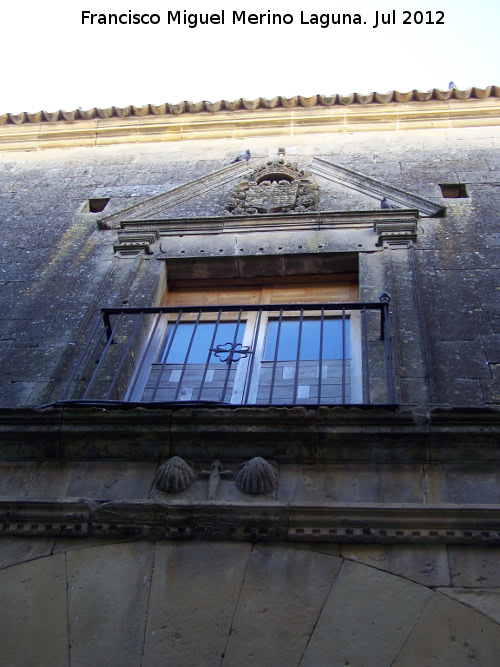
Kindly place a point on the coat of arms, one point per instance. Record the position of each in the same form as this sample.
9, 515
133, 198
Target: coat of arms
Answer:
276, 187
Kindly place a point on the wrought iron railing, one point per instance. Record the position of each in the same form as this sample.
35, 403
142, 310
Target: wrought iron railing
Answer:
269, 354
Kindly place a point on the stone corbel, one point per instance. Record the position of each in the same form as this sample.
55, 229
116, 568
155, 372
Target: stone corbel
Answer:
396, 232
131, 244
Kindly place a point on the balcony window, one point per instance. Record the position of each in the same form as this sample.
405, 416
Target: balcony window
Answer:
305, 340
257, 355
264, 356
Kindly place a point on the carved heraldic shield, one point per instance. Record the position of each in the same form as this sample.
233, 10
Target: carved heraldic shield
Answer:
278, 186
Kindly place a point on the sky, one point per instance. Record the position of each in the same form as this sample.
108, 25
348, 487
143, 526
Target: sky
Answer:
51, 60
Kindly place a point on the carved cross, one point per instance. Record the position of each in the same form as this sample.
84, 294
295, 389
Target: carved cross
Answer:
215, 475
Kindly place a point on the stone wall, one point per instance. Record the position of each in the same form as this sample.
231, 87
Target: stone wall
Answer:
131, 603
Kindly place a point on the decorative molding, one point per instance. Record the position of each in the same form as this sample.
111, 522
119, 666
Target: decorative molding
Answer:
34, 518
270, 222
396, 523
251, 521
374, 188
287, 203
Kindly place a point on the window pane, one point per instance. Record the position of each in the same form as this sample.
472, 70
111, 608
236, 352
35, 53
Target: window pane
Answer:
202, 341
310, 339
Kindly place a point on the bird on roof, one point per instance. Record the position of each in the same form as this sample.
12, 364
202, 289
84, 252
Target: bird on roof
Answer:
242, 156
387, 203
452, 86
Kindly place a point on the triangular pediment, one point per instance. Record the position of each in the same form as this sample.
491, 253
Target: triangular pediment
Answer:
373, 188
171, 203
340, 189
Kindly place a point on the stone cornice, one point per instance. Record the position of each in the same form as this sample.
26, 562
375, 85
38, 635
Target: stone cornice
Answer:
275, 222
39, 131
136, 236
286, 435
391, 523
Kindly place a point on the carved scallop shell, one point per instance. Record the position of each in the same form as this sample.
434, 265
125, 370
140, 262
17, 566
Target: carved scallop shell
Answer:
257, 476
174, 476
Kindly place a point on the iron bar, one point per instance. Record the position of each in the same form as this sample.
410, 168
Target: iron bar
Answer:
275, 359
145, 355
297, 358
80, 359
107, 323
184, 365
166, 353
364, 328
93, 355
320, 367
230, 360
124, 356
250, 308
111, 337
343, 355
389, 370
212, 343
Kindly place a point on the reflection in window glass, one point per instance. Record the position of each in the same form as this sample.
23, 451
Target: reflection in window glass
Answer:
310, 339
202, 341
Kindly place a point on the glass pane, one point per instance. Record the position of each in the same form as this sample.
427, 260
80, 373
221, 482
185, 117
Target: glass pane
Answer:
201, 342
310, 339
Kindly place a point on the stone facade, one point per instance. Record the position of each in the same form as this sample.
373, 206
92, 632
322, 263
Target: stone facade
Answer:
216, 533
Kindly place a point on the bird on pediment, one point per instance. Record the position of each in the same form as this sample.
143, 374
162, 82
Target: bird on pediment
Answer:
242, 156
387, 203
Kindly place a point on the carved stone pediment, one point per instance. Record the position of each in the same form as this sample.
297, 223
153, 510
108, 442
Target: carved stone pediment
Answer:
373, 187
277, 186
